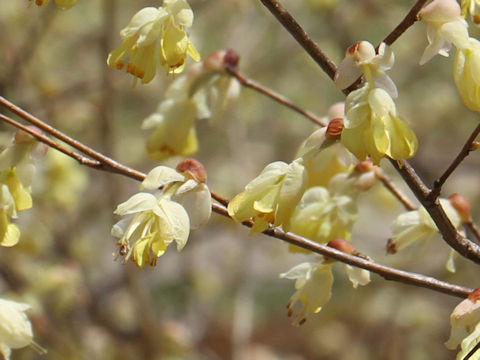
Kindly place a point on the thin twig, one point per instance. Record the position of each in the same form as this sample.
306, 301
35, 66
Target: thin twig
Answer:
110, 164
245, 81
386, 272
294, 28
393, 189
437, 185
46, 140
408, 21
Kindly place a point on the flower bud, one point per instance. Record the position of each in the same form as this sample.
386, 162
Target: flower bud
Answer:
215, 61
193, 169
474, 146
364, 166
231, 59
343, 245
462, 205
474, 295
334, 129
23, 137
360, 51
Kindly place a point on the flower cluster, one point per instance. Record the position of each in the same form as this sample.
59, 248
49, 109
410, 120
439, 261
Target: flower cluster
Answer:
151, 222
272, 196
156, 35
447, 27
204, 92
465, 323
64, 4
16, 175
417, 225
372, 127
15, 328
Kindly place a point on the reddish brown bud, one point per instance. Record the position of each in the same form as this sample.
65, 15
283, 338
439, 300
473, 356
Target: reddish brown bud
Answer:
364, 166
193, 169
462, 205
23, 137
474, 295
474, 146
334, 129
231, 59
343, 245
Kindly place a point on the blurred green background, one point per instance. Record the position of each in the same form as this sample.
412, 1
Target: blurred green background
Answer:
220, 298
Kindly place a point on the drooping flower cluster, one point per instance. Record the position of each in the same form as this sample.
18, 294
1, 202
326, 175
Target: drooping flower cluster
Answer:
465, 323
180, 202
313, 282
372, 127
64, 4
417, 225
272, 196
156, 36
447, 27
15, 328
204, 92
16, 175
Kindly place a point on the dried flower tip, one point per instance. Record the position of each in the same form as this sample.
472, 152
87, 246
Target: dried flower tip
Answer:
193, 169
343, 245
23, 137
462, 205
365, 166
334, 129
215, 61
474, 295
474, 146
391, 247
231, 59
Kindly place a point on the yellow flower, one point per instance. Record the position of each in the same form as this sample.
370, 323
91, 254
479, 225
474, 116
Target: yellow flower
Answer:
417, 225
445, 26
15, 328
467, 74
153, 221
272, 196
372, 127
313, 282
471, 7
465, 323
155, 35
323, 215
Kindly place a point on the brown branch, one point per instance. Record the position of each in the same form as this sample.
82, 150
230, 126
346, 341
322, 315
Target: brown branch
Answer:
106, 163
393, 189
408, 21
386, 272
451, 236
294, 28
245, 81
437, 185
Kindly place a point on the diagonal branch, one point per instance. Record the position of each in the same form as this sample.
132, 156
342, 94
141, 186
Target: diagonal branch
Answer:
386, 272
294, 28
245, 81
437, 185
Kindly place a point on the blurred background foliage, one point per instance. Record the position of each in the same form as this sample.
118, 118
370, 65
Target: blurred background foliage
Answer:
220, 298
